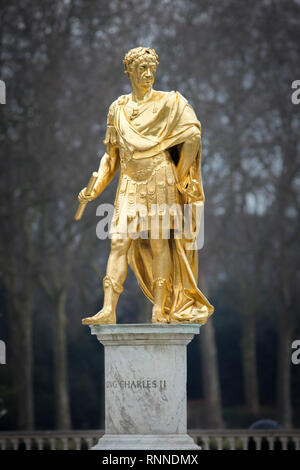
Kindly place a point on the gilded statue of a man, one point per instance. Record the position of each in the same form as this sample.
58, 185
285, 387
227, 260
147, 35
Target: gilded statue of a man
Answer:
155, 138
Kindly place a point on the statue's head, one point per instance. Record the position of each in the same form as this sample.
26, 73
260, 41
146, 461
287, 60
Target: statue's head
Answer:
140, 66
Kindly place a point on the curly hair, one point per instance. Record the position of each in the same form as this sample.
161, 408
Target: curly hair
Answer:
138, 54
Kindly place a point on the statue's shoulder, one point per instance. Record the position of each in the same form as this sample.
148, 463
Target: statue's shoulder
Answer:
158, 94
180, 97
123, 99
170, 96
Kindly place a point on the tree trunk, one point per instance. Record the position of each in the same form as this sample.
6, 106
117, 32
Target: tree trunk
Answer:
21, 357
25, 392
210, 373
284, 403
62, 405
250, 363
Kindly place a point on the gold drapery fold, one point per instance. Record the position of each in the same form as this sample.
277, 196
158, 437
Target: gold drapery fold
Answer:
185, 301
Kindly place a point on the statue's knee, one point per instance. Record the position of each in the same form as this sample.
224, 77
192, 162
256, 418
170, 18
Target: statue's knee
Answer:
158, 247
119, 245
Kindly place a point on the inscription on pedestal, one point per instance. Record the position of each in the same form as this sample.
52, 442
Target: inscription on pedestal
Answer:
148, 384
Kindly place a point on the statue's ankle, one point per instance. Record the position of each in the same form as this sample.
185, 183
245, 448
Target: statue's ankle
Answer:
159, 315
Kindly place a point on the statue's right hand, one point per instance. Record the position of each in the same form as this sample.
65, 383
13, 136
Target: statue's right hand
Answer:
83, 198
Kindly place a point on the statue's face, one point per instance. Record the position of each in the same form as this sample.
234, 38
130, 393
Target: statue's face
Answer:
143, 73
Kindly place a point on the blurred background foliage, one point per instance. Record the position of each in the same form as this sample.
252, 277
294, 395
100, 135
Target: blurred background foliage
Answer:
235, 62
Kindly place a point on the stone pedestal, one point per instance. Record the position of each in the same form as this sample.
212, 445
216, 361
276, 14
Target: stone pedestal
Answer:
145, 385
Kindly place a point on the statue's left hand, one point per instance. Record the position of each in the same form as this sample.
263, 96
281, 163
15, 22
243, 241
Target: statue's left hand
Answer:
192, 190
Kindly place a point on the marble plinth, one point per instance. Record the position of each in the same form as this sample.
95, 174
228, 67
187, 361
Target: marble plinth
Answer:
145, 385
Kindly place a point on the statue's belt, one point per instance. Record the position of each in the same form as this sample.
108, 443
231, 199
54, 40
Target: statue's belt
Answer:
142, 170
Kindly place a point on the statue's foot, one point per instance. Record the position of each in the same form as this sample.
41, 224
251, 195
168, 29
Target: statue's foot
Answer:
104, 317
158, 316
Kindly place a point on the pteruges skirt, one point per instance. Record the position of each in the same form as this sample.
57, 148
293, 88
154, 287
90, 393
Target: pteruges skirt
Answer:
147, 200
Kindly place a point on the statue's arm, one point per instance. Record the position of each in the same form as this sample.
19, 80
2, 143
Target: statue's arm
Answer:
109, 163
108, 167
188, 153
189, 165
189, 149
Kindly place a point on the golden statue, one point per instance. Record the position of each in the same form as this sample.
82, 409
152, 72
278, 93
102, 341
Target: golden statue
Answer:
155, 137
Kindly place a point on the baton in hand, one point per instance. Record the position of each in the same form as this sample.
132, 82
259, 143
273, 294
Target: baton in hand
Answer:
89, 190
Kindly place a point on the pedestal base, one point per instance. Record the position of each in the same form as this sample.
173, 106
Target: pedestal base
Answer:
145, 386
146, 442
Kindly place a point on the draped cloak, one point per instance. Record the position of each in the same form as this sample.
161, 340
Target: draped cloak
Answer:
164, 123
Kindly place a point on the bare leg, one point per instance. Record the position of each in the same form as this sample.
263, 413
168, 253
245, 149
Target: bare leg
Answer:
117, 261
161, 267
116, 272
